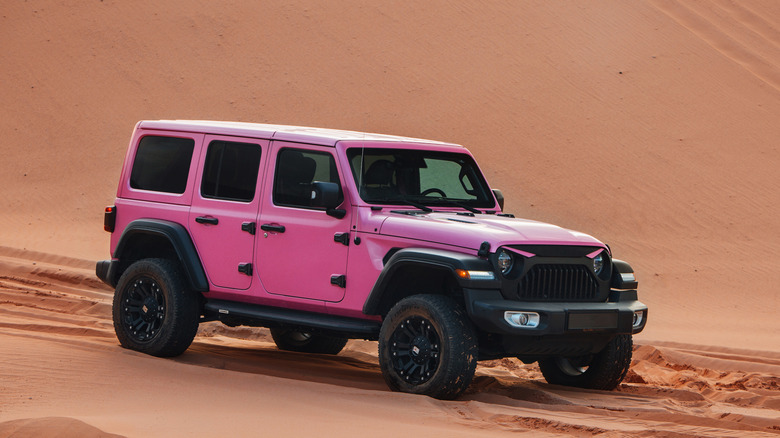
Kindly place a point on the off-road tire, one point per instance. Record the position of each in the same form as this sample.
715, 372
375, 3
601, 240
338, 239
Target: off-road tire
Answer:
605, 369
427, 345
153, 310
305, 342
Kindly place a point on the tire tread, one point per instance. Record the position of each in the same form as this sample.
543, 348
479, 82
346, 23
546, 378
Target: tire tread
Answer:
605, 372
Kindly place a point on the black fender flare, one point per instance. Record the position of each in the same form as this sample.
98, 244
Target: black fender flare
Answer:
621, 267
179, 239
440, 259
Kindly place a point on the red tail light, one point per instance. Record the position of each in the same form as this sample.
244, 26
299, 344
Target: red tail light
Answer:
109, 219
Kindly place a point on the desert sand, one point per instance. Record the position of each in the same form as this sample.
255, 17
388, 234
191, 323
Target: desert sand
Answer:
652, 124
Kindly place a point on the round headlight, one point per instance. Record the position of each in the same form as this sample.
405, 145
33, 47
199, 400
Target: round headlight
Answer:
505, 261
598, 263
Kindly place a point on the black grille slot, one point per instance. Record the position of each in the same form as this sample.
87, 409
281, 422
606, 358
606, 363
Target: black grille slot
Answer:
558, 283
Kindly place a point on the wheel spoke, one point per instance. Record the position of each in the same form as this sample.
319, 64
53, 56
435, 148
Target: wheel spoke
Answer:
403, 352
426, 369
408, 331
141, 290
137, 324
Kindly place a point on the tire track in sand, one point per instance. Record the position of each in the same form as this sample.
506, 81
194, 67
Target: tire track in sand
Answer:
671, 389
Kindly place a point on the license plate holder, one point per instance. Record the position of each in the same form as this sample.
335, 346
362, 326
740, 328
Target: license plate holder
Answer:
593, 320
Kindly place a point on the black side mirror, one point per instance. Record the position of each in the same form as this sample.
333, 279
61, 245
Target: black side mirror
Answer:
324, 194
500, 198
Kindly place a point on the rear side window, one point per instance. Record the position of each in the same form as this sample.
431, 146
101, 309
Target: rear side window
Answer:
230, 171
162, 164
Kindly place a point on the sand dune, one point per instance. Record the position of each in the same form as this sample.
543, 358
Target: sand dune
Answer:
60, 357
650, 124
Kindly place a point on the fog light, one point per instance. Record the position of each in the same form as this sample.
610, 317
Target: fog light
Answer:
638, 317
522, 319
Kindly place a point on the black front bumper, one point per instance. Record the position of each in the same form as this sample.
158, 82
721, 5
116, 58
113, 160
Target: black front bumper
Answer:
487, 310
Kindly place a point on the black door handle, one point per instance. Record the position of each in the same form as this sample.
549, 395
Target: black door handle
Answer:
206, 220
272, 227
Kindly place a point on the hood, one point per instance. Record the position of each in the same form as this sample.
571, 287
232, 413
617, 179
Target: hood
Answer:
450, 228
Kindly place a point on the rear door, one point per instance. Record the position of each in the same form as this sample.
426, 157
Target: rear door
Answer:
222, 219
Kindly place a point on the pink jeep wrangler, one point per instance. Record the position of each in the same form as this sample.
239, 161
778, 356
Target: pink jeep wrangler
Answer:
324, 235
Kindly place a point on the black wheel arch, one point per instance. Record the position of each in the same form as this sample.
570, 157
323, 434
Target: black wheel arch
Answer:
156, 238
410, 271
622, 267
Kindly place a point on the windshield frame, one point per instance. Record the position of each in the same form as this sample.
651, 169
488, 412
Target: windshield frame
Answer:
405, 161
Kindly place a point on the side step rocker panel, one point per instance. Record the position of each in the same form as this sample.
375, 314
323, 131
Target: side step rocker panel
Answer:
265, 316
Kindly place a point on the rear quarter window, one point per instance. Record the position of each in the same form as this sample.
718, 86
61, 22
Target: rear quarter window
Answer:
162, 164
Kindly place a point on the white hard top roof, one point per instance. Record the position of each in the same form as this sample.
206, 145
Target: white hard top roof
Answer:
321, 136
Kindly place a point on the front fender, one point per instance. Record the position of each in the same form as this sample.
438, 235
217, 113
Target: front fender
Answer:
382, 298
623, 275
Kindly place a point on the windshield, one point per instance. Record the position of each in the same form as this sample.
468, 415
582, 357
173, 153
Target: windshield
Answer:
418, 177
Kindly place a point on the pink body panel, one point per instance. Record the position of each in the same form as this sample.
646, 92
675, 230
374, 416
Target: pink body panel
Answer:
470, 232
129, 210
224, 246
300, 261
135, 204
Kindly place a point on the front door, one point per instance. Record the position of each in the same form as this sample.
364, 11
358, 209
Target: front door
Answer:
298, 254
223, 216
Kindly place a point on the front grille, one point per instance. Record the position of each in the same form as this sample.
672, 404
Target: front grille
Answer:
558, 283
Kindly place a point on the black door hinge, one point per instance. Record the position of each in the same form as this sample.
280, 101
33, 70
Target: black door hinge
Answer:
245, 268
342, 238
249, 227
339, 280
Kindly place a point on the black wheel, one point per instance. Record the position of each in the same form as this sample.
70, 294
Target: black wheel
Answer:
153, 310
603, 370
427, 346
305, 342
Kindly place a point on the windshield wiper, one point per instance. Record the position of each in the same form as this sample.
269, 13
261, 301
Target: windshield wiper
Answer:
417, 204
453, 203
405, 201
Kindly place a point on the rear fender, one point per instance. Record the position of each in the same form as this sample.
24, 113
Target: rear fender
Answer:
144, 238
